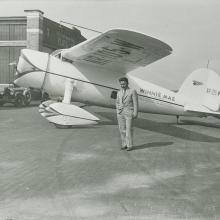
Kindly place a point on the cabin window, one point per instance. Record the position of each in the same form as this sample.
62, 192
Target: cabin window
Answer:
114, 94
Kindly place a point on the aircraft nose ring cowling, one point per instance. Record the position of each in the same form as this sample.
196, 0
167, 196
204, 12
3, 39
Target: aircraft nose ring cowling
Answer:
28, 72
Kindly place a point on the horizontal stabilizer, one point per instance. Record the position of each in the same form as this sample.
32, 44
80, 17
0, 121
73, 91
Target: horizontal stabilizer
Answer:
66, 114
200, 109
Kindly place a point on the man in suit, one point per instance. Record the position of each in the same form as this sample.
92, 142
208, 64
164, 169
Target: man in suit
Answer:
127, 110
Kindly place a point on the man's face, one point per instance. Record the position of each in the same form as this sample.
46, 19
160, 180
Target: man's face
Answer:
123, 84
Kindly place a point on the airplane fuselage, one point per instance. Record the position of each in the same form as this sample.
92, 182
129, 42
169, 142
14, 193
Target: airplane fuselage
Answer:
92, 85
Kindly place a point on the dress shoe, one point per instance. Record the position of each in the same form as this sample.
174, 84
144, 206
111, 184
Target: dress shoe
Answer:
124, 147
129, 148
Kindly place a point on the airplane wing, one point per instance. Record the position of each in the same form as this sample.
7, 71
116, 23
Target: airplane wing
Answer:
118, 50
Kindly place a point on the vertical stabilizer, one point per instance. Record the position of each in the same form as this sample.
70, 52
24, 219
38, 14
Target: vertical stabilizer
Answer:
201, 88
212, 94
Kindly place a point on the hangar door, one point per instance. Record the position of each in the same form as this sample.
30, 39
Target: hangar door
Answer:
8, 55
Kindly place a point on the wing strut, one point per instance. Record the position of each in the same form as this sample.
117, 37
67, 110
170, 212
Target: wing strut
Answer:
69, 85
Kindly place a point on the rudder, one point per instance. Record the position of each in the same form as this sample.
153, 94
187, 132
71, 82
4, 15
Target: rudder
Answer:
201, 88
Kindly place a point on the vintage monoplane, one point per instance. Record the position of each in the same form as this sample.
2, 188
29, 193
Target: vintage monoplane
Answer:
89, 73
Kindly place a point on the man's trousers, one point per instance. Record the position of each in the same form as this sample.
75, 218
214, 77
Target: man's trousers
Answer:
125, 123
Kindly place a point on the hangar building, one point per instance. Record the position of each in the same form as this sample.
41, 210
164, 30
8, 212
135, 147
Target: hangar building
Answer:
33, 31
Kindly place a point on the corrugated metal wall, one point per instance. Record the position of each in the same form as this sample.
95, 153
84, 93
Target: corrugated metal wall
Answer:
13, 38
12, 32
9, 54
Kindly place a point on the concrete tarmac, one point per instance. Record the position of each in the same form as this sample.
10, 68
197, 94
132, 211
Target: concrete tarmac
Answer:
80, 173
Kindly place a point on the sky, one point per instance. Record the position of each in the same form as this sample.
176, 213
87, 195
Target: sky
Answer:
190, 27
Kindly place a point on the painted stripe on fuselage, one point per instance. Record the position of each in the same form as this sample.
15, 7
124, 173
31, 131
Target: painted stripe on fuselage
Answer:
80, 80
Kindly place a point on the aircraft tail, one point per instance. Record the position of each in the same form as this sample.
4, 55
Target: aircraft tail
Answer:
201, 92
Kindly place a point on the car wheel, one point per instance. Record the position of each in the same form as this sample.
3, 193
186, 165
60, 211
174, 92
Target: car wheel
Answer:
27, 99
19, 101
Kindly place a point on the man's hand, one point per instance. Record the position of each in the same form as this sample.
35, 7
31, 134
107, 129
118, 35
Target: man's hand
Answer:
134, 115
135, 102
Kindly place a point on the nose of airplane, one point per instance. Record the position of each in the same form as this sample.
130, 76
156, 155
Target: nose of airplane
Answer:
31, 68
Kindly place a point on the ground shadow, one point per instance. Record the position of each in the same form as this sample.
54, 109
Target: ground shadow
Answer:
204, 124
10, 106
170, 129
74, 126
152, 144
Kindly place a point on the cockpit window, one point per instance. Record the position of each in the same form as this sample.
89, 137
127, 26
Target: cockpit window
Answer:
57, 53
67, 60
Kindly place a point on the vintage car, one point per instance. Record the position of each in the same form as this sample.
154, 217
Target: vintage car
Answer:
10, 93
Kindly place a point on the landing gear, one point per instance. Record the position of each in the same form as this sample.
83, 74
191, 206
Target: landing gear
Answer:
68, 91
69, 85
64, 114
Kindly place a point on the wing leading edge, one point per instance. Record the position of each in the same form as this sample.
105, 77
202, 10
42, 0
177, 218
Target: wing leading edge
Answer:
118, 50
